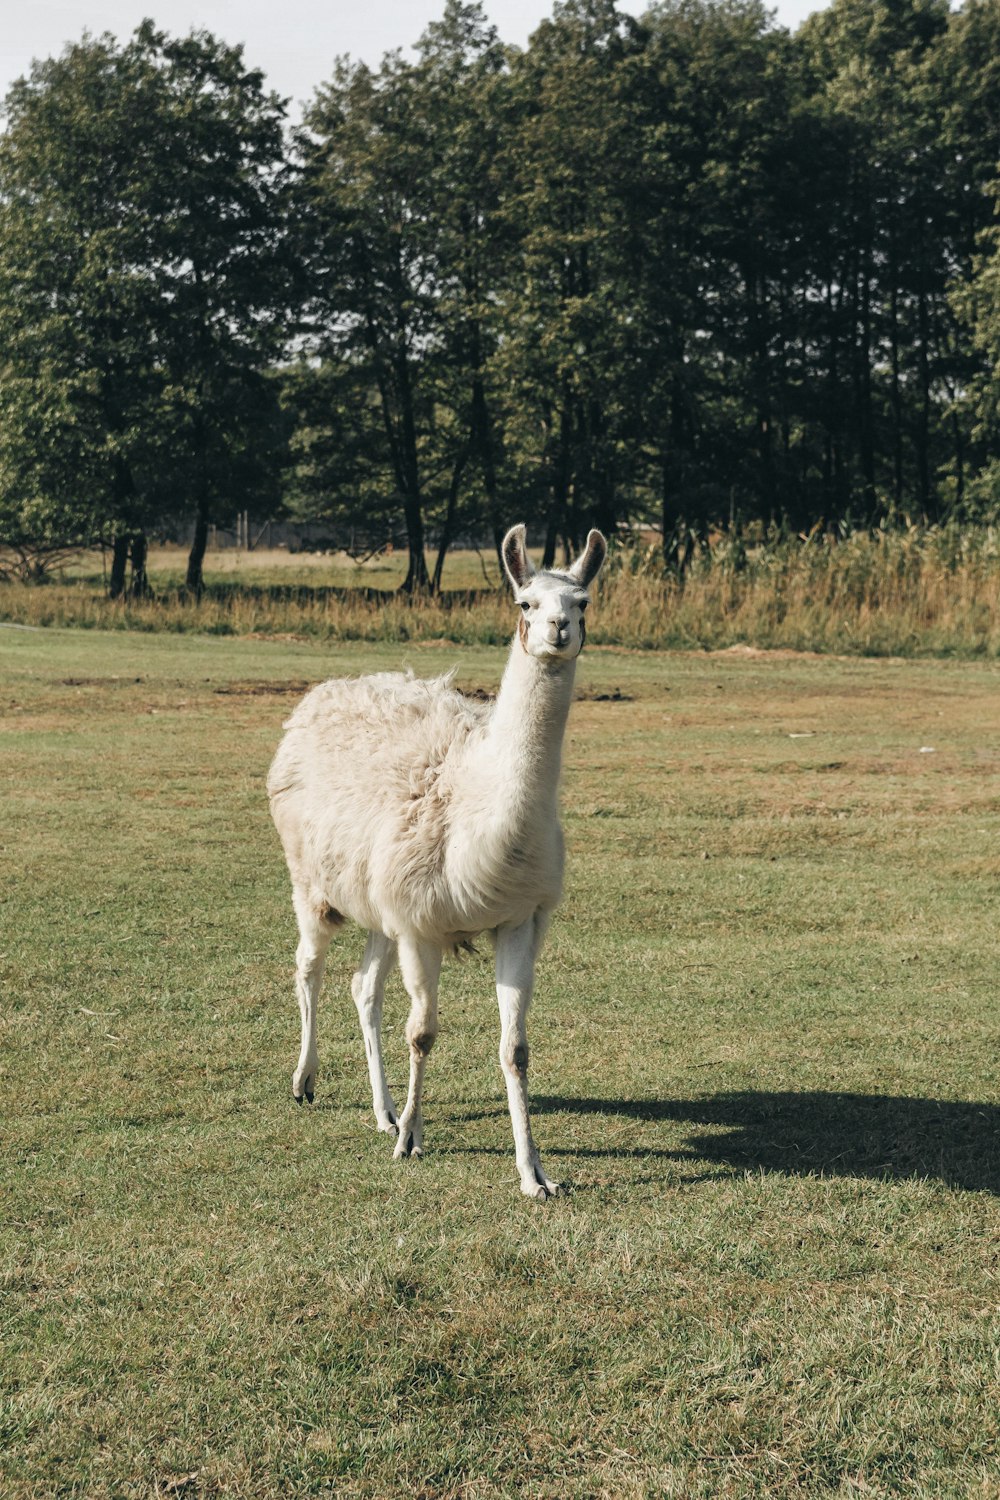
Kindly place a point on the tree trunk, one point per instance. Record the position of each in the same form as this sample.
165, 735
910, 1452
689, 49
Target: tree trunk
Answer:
139, 586
679, 515
760, 363
417, 578
837, 500
483, 440
195, 581
399, 421
897, 398
551, 537
959, 437
866, 423
924, 417
119, 562
448, 530
560, 485
678, 530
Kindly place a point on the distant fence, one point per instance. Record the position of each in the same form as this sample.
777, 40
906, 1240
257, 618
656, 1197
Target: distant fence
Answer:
248, 535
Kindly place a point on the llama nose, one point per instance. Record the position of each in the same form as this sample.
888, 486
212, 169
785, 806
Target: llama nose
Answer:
562, 627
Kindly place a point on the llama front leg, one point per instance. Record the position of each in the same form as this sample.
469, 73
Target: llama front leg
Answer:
315, 932
421, 968
517, 949
368, 989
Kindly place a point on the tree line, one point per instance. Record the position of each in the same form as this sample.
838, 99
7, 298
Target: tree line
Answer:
686, 270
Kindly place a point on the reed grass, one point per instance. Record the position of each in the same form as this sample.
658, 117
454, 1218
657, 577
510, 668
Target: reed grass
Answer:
918, 591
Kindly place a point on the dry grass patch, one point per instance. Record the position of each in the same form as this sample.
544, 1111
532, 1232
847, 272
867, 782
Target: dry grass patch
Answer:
921, 591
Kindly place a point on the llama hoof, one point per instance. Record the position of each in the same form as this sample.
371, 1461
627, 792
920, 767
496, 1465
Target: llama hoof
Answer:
304, 1083
388, 1124
537, 1185
409, 1144
542, 1191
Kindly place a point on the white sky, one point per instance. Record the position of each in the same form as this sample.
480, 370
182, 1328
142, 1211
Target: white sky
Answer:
293, 41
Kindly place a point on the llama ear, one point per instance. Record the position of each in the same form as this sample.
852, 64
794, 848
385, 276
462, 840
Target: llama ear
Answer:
515, 557
591, 560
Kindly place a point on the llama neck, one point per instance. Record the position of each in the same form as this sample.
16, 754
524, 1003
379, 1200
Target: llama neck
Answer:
525, 735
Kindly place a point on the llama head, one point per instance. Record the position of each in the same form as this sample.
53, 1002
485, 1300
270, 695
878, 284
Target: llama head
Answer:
552, 603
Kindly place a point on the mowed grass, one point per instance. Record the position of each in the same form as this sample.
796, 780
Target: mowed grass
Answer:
765, 1054
267, 567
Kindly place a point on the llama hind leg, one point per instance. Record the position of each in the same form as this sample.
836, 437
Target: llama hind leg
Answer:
421, 967
517, 949
368, 989
316, 929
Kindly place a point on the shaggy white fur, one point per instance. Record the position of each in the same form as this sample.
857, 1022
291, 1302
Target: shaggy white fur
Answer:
427, 818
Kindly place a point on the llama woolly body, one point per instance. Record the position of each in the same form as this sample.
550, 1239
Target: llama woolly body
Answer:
398, 809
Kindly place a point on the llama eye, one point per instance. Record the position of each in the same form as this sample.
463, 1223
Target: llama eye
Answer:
525, 605
583, 604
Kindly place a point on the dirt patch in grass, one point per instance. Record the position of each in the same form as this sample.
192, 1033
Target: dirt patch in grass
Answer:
99, 681
582, 695
260, 689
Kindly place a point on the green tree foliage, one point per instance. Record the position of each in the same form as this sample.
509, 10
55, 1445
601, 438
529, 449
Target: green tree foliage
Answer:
719, 256
143, 288
977, 305
399, 197
712, 263
369, 255
680, 269
965, 75
463, 88
340, 462
75, 310
228, 281
883, 276
568, 358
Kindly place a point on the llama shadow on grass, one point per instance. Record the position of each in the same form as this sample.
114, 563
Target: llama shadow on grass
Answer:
838, 1135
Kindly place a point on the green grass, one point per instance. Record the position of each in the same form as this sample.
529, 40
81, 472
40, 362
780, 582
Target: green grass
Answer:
764, 1051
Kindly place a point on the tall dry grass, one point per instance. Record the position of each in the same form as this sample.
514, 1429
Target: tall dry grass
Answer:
914, 591
908, 592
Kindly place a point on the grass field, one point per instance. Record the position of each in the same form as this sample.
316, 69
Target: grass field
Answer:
764, 1052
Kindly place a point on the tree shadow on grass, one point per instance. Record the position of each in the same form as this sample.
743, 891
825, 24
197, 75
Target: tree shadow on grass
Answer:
839, 1135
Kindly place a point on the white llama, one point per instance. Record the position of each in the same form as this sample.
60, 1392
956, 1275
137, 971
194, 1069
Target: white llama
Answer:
427, 819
